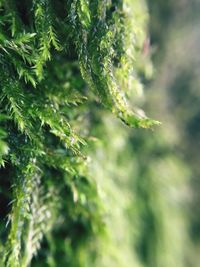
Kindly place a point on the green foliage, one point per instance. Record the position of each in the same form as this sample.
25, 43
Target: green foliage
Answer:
77, 187
54, 57
104, 50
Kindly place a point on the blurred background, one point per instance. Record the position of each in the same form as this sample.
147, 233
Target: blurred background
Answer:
175, 34
170, 161
155, 191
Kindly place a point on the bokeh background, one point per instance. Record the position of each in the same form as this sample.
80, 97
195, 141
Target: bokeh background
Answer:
154, 193
169, 174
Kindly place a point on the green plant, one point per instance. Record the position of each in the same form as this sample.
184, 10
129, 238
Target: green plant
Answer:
55, 56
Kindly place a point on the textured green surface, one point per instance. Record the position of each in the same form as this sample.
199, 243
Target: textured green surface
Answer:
55, 57
78, 187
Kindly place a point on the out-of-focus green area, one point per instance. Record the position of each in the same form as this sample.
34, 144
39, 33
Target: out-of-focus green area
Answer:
153, 197
175, 94
168, 165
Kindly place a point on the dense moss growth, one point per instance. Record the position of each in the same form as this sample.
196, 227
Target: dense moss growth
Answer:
55, 57
78, 187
